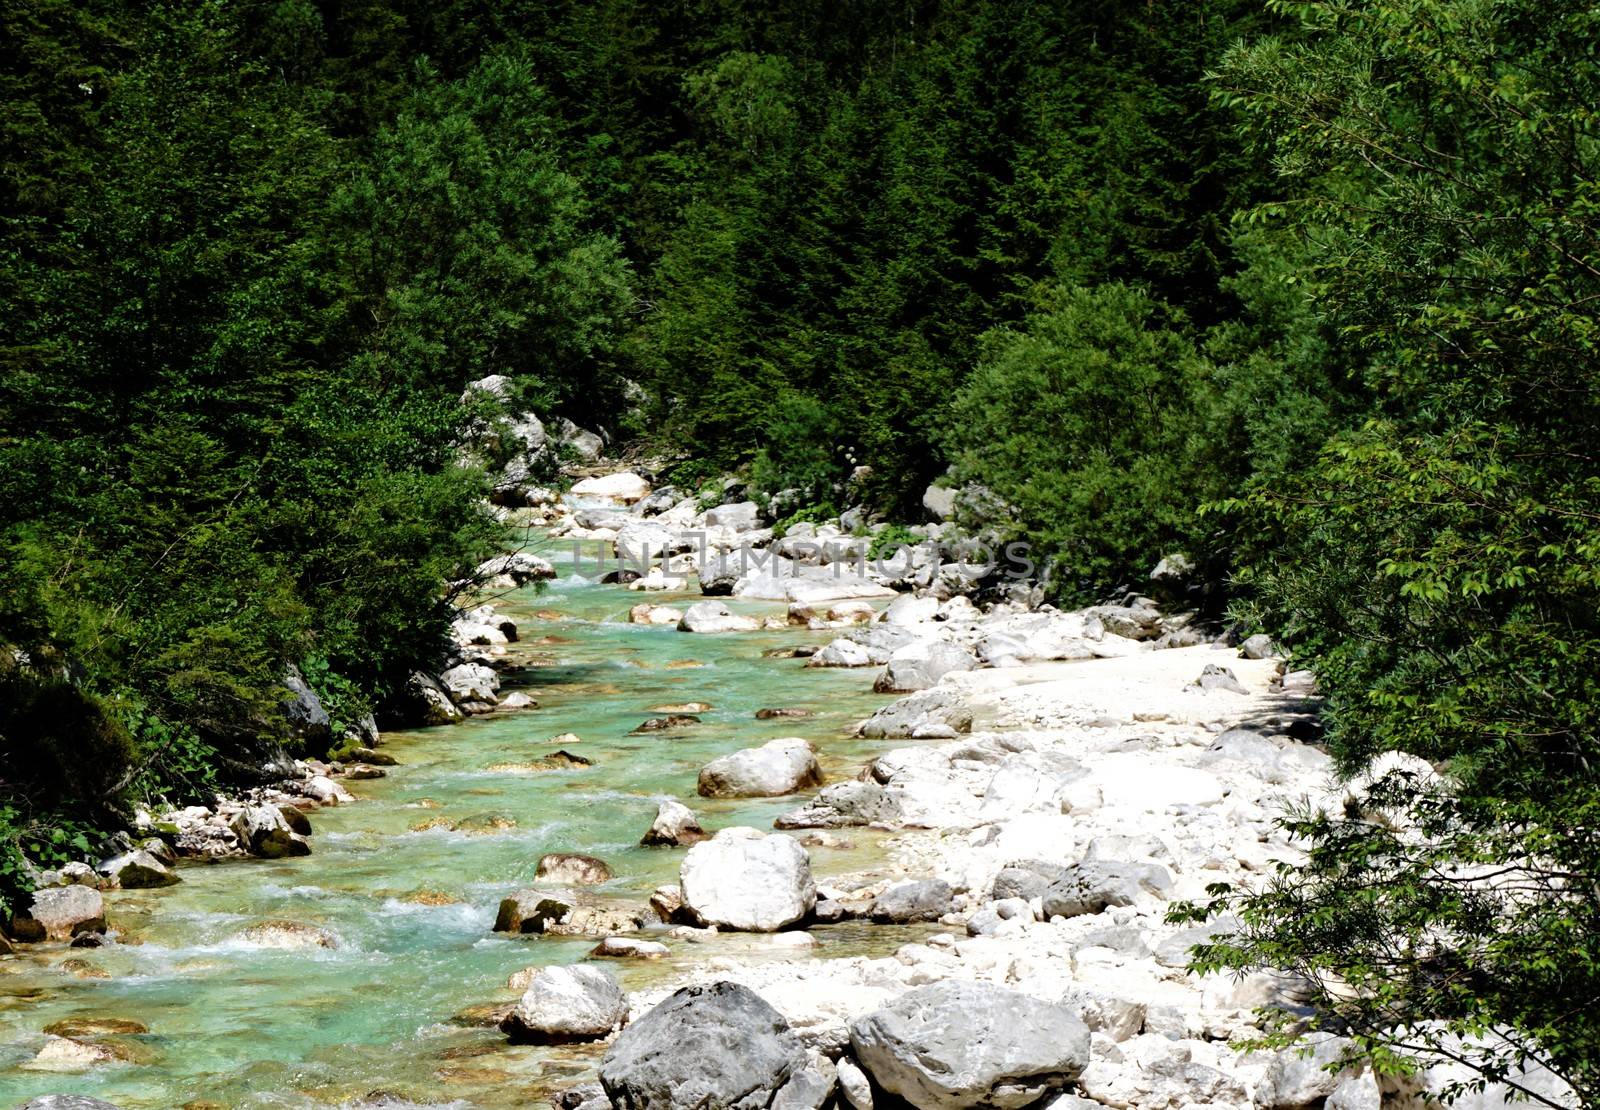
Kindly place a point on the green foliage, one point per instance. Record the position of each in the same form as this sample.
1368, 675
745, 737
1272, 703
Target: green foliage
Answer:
800, 460
1438, 562
233, 342
811, 514
1080, 422
891, 538
28, 844
464, 202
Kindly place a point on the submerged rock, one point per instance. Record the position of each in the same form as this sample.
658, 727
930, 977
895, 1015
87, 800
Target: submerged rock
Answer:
719, 1046
956, 1045
669, 721
68, 1054
570, 867
288, 935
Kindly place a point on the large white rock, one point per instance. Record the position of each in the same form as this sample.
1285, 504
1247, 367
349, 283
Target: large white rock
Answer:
814, 589
842, 653
777, 767
741, 516
61, 913
625, 486
909, 609
136, 869
515, 568
713, 616
745, 879
469, 683
956, 1045
1020, 787
639, 541
563, 1004
645, 613
921, 664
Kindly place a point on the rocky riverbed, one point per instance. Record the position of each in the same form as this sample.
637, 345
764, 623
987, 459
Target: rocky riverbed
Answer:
833, 835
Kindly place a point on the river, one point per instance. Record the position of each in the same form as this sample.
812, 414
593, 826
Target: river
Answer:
409, 877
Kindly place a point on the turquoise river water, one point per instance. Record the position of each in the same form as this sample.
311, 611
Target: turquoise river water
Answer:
408, 880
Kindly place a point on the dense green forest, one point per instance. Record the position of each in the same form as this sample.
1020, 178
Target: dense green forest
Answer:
1309, 291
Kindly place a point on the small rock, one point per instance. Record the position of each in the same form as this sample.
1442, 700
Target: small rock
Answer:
1092, 887
645, 613
915, 900
1259, 646
264, 831
714, 616
629, 948
853, 1084
674, 720
675, 825
810, 1088
137, 870
566, 1004
559, 913
1214, 677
